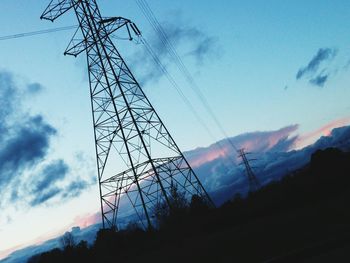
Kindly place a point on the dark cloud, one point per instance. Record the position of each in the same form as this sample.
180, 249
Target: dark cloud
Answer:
23, 147
35, 88
51, 183
319, 80
196, 43
49, 176
26, 175
45, 196
24, 142
323, 54
75, 188
47, 184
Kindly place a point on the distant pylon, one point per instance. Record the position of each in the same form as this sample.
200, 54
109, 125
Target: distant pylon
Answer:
125, 123
252, 180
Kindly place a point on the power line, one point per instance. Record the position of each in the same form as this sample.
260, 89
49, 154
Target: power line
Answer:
150, 51
148, 13
166, 43
38, 32
176, 86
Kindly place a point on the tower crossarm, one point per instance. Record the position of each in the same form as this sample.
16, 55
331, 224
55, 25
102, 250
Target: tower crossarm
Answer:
107, 27
56, 8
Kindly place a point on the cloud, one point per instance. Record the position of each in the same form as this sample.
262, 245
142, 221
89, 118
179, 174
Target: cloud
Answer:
75, 188
192, 41
50, 184
274, 153
43, 185
34, 88
44, 196
323, 54
88, 219
319, 80
205, 47
218, 165
27, 175
260, 141
24, 144
200, 44
50, 174
325, 130
312, 73
263, 141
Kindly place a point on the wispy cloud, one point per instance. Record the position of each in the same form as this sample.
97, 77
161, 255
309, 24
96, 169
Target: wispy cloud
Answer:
319, 80
76, 187
311, 70
35, 87
43, 186
189, 42
323, 54
44, 196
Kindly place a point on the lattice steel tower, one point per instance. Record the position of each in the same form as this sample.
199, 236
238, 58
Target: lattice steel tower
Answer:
252, 180
125, 123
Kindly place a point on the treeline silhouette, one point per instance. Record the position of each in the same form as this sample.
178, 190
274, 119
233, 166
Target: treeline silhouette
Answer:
304, 217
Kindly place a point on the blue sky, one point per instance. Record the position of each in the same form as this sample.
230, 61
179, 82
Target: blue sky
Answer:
248, 72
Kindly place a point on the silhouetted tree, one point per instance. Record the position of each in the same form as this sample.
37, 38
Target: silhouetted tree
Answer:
198, 205
133, 227
67, 241
171, 214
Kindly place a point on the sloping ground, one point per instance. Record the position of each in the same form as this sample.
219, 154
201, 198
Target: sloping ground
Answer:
302, 218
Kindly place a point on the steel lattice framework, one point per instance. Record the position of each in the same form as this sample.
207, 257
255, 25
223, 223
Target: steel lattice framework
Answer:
125, 123
253, 181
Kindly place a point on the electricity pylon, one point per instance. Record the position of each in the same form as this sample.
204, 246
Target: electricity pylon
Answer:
125, 123
252, 180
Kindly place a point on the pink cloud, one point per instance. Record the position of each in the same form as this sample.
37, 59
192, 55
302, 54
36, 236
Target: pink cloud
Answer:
87, 220
207, 155
325, 130
266, 140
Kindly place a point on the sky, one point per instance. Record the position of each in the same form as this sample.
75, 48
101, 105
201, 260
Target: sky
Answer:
262, 65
